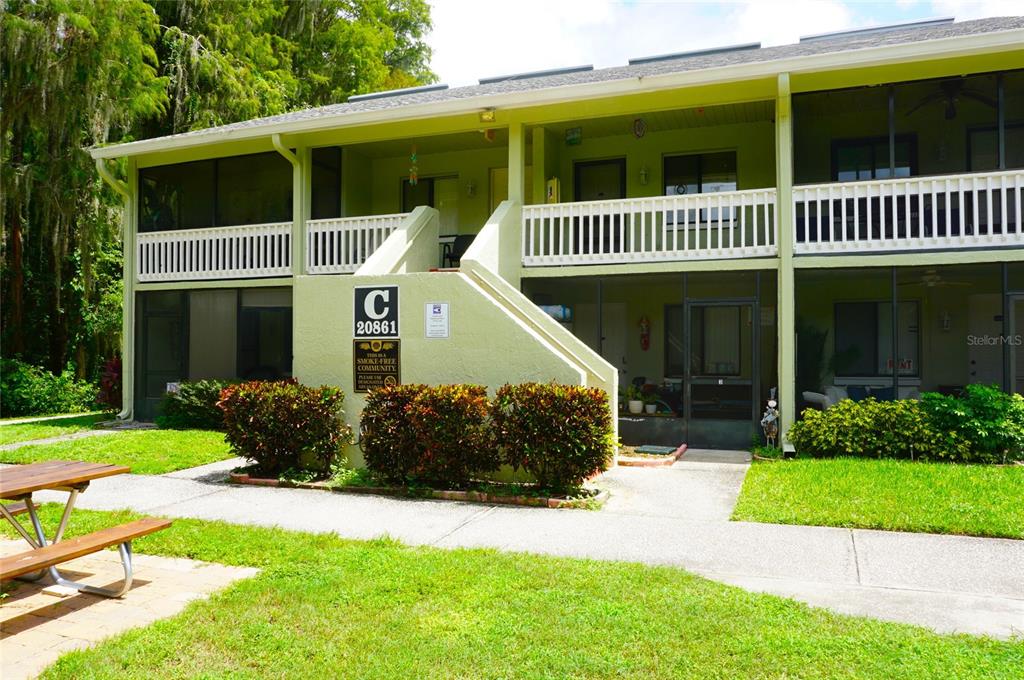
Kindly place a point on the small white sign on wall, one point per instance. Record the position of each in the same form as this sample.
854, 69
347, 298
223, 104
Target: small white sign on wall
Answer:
436, 319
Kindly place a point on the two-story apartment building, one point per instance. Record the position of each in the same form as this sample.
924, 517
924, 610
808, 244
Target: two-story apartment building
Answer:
838, 217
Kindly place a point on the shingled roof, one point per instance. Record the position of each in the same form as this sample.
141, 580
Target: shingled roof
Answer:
822, 45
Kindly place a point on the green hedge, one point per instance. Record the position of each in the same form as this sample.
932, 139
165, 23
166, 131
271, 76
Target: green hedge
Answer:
282, 425
984, 425
27, 390
450, 434
193, 406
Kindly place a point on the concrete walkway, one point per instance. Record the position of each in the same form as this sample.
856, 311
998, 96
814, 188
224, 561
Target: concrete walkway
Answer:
673, 516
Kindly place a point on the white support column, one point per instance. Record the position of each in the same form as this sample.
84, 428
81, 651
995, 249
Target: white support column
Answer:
129, 228
301, 212
786, 287
539, 146
517, 163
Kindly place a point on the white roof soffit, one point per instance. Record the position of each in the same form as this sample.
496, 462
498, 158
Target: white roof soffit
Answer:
975, 44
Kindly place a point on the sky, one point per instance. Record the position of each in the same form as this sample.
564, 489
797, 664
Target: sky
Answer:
475, 39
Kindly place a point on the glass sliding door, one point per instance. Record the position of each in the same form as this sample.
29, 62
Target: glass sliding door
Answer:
162, 355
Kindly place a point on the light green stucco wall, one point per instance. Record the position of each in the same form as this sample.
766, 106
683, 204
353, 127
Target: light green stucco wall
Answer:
469, 166
753, 143
486, 345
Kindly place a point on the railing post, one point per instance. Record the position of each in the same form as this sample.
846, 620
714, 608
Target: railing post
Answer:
786, 231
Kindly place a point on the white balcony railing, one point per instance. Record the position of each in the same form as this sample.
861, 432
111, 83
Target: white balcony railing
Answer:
251, 251
978, 210
729, 224
339, 246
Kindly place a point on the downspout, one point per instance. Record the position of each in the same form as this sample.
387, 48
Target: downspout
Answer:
117, 185
275, 139
128, 323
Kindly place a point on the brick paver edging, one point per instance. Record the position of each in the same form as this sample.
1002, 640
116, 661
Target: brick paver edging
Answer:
593, 502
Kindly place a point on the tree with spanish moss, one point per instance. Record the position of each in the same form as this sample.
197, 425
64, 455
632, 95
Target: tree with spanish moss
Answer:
77, 73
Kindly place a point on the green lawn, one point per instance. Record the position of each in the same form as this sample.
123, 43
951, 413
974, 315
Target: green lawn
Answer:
328, 607
12, 431
148, 452
976, 500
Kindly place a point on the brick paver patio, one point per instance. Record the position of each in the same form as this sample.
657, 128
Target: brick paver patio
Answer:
36, 627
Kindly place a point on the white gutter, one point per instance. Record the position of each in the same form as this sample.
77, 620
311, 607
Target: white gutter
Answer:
971, 45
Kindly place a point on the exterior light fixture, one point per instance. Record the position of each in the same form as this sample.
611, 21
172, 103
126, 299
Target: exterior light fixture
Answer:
487, 116
644, 175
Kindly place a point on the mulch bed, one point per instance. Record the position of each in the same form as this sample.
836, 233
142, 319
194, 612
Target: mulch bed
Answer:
598, 499
652, 461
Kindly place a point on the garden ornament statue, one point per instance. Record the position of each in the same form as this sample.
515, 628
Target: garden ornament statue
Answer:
770, 420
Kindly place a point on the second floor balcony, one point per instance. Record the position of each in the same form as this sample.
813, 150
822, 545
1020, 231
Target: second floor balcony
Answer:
719, 225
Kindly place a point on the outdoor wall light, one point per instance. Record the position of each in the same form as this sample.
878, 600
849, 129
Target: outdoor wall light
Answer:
470, 189
487, 116
645, 175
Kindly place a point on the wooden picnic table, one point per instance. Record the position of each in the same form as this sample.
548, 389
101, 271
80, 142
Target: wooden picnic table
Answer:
21, 481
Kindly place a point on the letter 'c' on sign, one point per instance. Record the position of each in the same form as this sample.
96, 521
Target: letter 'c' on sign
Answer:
370, 304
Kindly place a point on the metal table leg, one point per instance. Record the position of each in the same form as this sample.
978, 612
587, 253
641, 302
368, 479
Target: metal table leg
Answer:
124, 549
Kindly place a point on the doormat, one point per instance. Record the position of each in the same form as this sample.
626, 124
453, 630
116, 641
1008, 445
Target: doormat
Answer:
656, 450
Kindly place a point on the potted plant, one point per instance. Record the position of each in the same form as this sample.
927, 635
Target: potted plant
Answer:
634, 399
650, 400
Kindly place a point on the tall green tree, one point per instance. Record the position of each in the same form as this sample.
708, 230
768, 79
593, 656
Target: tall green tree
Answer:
76, 73
73, 73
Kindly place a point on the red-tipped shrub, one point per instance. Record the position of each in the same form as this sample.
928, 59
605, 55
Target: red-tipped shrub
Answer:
282, 425
561, 434
390, 449
452, 434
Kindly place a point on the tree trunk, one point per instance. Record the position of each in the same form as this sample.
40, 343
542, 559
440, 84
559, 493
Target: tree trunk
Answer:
16, 281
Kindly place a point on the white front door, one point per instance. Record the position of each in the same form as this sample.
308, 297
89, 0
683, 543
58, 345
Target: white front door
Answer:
985, 359
446, 200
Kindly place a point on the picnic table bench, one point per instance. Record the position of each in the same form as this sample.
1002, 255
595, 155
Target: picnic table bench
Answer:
20, 482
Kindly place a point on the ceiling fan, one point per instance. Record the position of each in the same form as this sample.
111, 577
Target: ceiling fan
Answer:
932, 279
949, 94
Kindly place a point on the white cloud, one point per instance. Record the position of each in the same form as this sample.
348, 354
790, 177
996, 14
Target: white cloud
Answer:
473, 40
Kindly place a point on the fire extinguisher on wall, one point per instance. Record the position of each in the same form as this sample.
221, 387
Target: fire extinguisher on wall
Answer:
645, 333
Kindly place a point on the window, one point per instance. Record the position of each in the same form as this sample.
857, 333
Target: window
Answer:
699, 174
868, 158
863, 339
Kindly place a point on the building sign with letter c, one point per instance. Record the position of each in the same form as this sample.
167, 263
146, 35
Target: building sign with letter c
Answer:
376, 312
